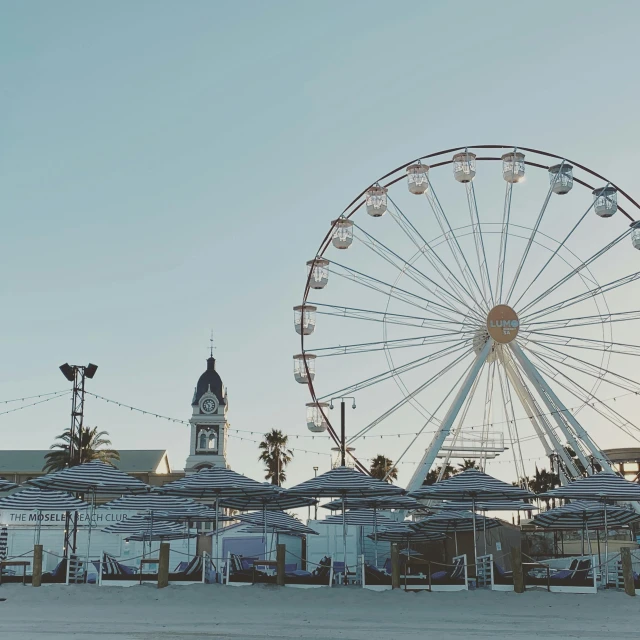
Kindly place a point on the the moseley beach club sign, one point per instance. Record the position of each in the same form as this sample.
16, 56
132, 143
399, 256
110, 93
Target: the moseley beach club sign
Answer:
100, 517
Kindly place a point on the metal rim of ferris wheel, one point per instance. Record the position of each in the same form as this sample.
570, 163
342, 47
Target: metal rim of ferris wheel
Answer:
491, 297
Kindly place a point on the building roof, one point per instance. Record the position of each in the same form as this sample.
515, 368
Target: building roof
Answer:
624, 454
209, 380
131, 461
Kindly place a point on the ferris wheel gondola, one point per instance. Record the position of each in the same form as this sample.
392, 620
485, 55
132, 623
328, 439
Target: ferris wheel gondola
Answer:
489, 332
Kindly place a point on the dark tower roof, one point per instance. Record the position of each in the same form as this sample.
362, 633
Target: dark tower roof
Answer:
209, 380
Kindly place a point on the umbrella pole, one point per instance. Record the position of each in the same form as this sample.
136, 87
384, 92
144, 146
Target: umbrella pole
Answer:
606, 547
375, 536
475, 537
264, 522
484, 531
455, 536
344, 538
92, 503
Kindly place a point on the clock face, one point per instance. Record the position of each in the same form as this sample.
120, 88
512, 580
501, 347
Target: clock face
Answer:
209, 405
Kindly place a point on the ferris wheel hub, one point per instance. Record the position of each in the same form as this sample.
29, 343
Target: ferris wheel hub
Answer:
503, 324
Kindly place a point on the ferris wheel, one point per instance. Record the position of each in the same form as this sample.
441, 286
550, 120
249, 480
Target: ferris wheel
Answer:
479, 302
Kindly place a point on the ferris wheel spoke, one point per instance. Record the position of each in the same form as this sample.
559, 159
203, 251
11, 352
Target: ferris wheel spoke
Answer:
398, 405
583, 321
555, 253
400, 343
388, 290
429, 252
588, 397
390, 373
607, 348
488, 403
512, 425
406, 267
534, 231
369, 315
586, 295
504, 237
588, 368
586, 343
478, 238
576, 271
454, 387
454, 246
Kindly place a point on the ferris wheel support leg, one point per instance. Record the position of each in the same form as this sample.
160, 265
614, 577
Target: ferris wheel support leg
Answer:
551, 399
423, 467
541, 428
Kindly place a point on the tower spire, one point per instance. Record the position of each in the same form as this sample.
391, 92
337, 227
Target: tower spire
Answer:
211, 347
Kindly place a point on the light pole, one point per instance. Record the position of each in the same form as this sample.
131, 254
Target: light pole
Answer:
77, 374
343, 436
315, 508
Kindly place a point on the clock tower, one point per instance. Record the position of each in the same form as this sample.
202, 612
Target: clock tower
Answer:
208, 422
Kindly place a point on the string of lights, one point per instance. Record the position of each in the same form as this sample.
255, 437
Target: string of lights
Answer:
33, 404
41, 395
296, 449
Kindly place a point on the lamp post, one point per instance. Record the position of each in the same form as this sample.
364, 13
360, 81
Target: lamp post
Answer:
343, 437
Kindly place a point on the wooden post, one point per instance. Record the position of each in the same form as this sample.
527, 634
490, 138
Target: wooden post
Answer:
516, 567
281, 551
627, 571
36, 579
163, 565
395, 567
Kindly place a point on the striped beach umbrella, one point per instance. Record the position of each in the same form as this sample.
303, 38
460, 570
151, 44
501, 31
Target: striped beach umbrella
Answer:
33, 499
406, 532
146, 528
600, 486
404, 503
603, 487
276, 520
360, 518
585, 514
278, 499
473, 485
181, 515
345, 483
216, 484
494, 505
152, 502
5, 485
97, 478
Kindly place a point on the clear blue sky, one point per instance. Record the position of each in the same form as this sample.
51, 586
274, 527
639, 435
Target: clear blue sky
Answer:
167, 168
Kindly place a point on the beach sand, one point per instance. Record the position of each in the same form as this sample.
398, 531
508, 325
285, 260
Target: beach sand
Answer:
209, 611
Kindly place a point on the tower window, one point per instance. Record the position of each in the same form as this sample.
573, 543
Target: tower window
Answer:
207, 441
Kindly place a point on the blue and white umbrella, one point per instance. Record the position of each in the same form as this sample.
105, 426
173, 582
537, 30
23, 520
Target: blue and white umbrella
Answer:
345, 483
359, 518
216, 484
5, 485
383, 503
473, 485
585, 514
97, 478
151, 502
456, 522
278, 520
603, 487
143, 528
496, 505
406, 532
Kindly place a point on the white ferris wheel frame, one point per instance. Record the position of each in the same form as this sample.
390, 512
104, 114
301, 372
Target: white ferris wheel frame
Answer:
479, 298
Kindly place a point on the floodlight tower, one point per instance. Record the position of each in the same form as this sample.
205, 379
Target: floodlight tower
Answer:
77, 374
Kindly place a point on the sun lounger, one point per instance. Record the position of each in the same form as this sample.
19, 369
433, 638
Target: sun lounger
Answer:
578, 578
240, 575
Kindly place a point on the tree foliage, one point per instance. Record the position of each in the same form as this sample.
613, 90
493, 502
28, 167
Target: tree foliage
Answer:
275, 455
88, 445
381, 466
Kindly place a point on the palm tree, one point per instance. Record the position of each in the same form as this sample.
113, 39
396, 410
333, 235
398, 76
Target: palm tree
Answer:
381, 466
544, 481
467, 464
87, 446
432, 476
275, 455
